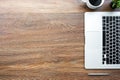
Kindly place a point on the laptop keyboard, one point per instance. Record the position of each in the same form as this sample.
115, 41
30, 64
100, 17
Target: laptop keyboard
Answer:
111, 39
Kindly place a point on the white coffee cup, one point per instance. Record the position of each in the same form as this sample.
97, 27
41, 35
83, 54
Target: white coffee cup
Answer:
91, 6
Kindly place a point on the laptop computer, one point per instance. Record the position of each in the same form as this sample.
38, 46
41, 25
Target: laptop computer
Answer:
102, 40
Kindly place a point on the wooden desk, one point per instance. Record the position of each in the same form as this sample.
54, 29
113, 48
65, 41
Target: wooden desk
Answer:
44, 40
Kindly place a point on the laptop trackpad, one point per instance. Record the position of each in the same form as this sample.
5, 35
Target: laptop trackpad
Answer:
93, 39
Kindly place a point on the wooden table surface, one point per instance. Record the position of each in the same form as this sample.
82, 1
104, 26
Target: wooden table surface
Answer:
44, 40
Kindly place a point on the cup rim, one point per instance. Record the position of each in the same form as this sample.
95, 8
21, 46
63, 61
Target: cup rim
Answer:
93, 5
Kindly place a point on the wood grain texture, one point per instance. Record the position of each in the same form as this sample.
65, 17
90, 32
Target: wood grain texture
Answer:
44, 40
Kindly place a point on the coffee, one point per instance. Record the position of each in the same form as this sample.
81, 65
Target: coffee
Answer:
95, 2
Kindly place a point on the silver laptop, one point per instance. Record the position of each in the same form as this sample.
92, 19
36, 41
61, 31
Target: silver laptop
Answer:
102, 40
